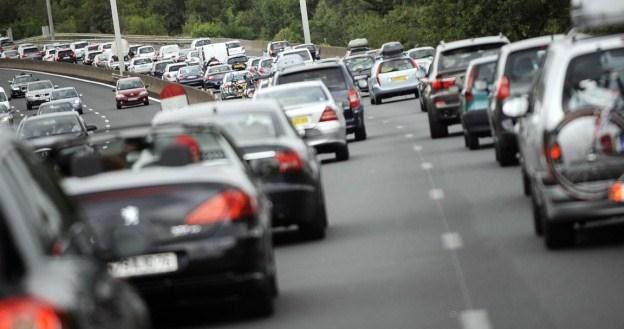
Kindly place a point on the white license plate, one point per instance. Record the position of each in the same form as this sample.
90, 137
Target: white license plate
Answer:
133, 99
144, 265
453, 89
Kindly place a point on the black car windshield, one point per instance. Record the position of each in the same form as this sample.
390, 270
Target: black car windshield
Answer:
23, 79
49, 126
142, 61
332, 77
458, 59
55, 107
64, 93
146, 50
129, 84
191, 70
592, 78
358, 64
277, 45
249, 126
40, 85
295, 96
422, 53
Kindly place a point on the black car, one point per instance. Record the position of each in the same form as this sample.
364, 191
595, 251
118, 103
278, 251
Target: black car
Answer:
288, 168
47, 270
65, 55
238, 62
19, 84
315, 50
340, 84
359, 67
191, 76
276, 47
180, 200
213, 78
53, 125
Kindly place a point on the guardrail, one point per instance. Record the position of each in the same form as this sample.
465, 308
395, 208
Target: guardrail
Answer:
254, 47
101, 75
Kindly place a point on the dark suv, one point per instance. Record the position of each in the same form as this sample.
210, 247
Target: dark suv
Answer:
446, 77
47, 274
340, 84
517, 66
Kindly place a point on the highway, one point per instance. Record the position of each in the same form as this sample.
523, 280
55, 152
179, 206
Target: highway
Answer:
423, 234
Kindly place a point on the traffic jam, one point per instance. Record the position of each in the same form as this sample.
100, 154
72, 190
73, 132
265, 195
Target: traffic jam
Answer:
116, 227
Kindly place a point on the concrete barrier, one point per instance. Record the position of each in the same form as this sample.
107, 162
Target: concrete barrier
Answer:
101, 75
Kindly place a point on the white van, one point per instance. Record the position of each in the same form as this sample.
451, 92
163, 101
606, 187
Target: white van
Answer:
106, 47
197, 43
216, 50
168, 51
234, 48
146, 52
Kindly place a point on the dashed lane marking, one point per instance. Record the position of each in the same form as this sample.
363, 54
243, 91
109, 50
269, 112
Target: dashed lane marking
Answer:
399, 127
436, 194
474, 319
426, 165
452, 241
418, 148
409, 136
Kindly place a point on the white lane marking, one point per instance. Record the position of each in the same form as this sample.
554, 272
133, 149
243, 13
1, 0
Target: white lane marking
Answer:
21, 114
452, 241
399, 127
474, 319
418, 148
107, 121
409, 136
73, 78
385, 121
436, 194
370, 117
108, 126
426, 165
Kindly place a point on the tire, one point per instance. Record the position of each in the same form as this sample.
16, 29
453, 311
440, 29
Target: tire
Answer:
472, 141
80, 112
538, 217
417, 95
378, 100
342, 153
506, 154
372, 99
28, 106
261, 302
423, 107
118, 106
146, 103
316, 229
436, 129
558, 235
360, 133
526, 183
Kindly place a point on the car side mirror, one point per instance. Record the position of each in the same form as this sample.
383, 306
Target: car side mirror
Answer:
481, 85
516, 107
92, 127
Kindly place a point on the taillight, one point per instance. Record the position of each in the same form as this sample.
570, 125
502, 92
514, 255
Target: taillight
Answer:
555, 152
438, 84
354, 98
616, 192
468, 96
288, 161
229, 205
328, 115
211, 77
502, 90
25, 312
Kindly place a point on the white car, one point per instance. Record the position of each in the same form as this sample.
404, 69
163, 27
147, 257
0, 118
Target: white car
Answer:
171, 71
314, 113
169, 51
140, 65
4, 98
79, 48
106, 47
192, 58
146, 51
234, 48
49, 55
303, 53
200, 42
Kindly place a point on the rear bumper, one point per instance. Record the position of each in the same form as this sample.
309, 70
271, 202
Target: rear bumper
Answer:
446, 106
354, 119
197, 82
325, 137
37, 101
393, 92
292, 203
476, 122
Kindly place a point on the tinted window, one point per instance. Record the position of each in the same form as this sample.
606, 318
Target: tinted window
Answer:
458, 59
332, 77
146, 50
423, 53
191, 70
49, 126
485, 72
129, 84
40, 85
295, 96
396, 65
30, 50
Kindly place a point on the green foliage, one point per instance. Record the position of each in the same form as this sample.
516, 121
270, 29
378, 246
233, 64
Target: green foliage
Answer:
332, 22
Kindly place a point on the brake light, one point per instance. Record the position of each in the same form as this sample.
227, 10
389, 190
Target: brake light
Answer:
288, 161
438, 84
25, 312
502, 90
328, 115
615, 192
555, 152
354, 98
229, 205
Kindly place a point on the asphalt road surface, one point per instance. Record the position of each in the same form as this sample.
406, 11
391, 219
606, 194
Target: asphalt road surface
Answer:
423, 234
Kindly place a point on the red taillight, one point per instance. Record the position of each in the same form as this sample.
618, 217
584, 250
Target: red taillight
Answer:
438, 84
288, 161
354, 98
555, 152
468, 96
24, 312
502, 90
228, 205
328, 115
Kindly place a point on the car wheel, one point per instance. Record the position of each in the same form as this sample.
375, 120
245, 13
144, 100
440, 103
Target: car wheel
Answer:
372, 99
472, 141
342, 153
506, 154
558, 235
526, 183
423, 108
538, 215
80, 112
436, 129
417, 94
261, 302
119, 106
378, 100
360, 133
316, 228
146, 103
28, 106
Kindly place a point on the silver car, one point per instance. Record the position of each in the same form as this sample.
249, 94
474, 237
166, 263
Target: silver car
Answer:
394, 75
314, 113
55, 107
69, 94
38, 92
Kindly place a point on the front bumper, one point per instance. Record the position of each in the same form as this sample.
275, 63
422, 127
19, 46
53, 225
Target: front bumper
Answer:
128, 101
476, 122
292, 203
18, 93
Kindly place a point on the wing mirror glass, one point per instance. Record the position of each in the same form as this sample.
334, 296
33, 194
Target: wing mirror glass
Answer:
516, 107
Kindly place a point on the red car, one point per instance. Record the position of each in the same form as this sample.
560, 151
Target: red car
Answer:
130, 91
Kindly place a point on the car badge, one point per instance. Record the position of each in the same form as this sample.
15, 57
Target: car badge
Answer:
130, 215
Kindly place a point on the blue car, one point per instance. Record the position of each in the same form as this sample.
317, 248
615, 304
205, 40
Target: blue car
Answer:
191, 76
475, 100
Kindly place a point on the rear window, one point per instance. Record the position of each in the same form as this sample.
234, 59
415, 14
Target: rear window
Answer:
266, 64
250, 126
333, 77
175, 68
40, 85
233, 44
295, 96
162, 66
523, 66
394, 65
305, 55
107, 46
64, 93
30, 50
590, 78
237, 60
129, 84
485, 72
65, 53
142, 61
146, 50
80, 45
277, 45
204, 42
55, 107
423, 53
458, 59
219, 69
357, 64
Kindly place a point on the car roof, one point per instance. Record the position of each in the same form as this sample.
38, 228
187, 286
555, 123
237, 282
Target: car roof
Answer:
310, 67
65, 88
530, 43
472, 41
483, 60
53, 115
209, 109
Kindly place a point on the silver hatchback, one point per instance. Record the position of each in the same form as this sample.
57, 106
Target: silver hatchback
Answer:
69, 94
